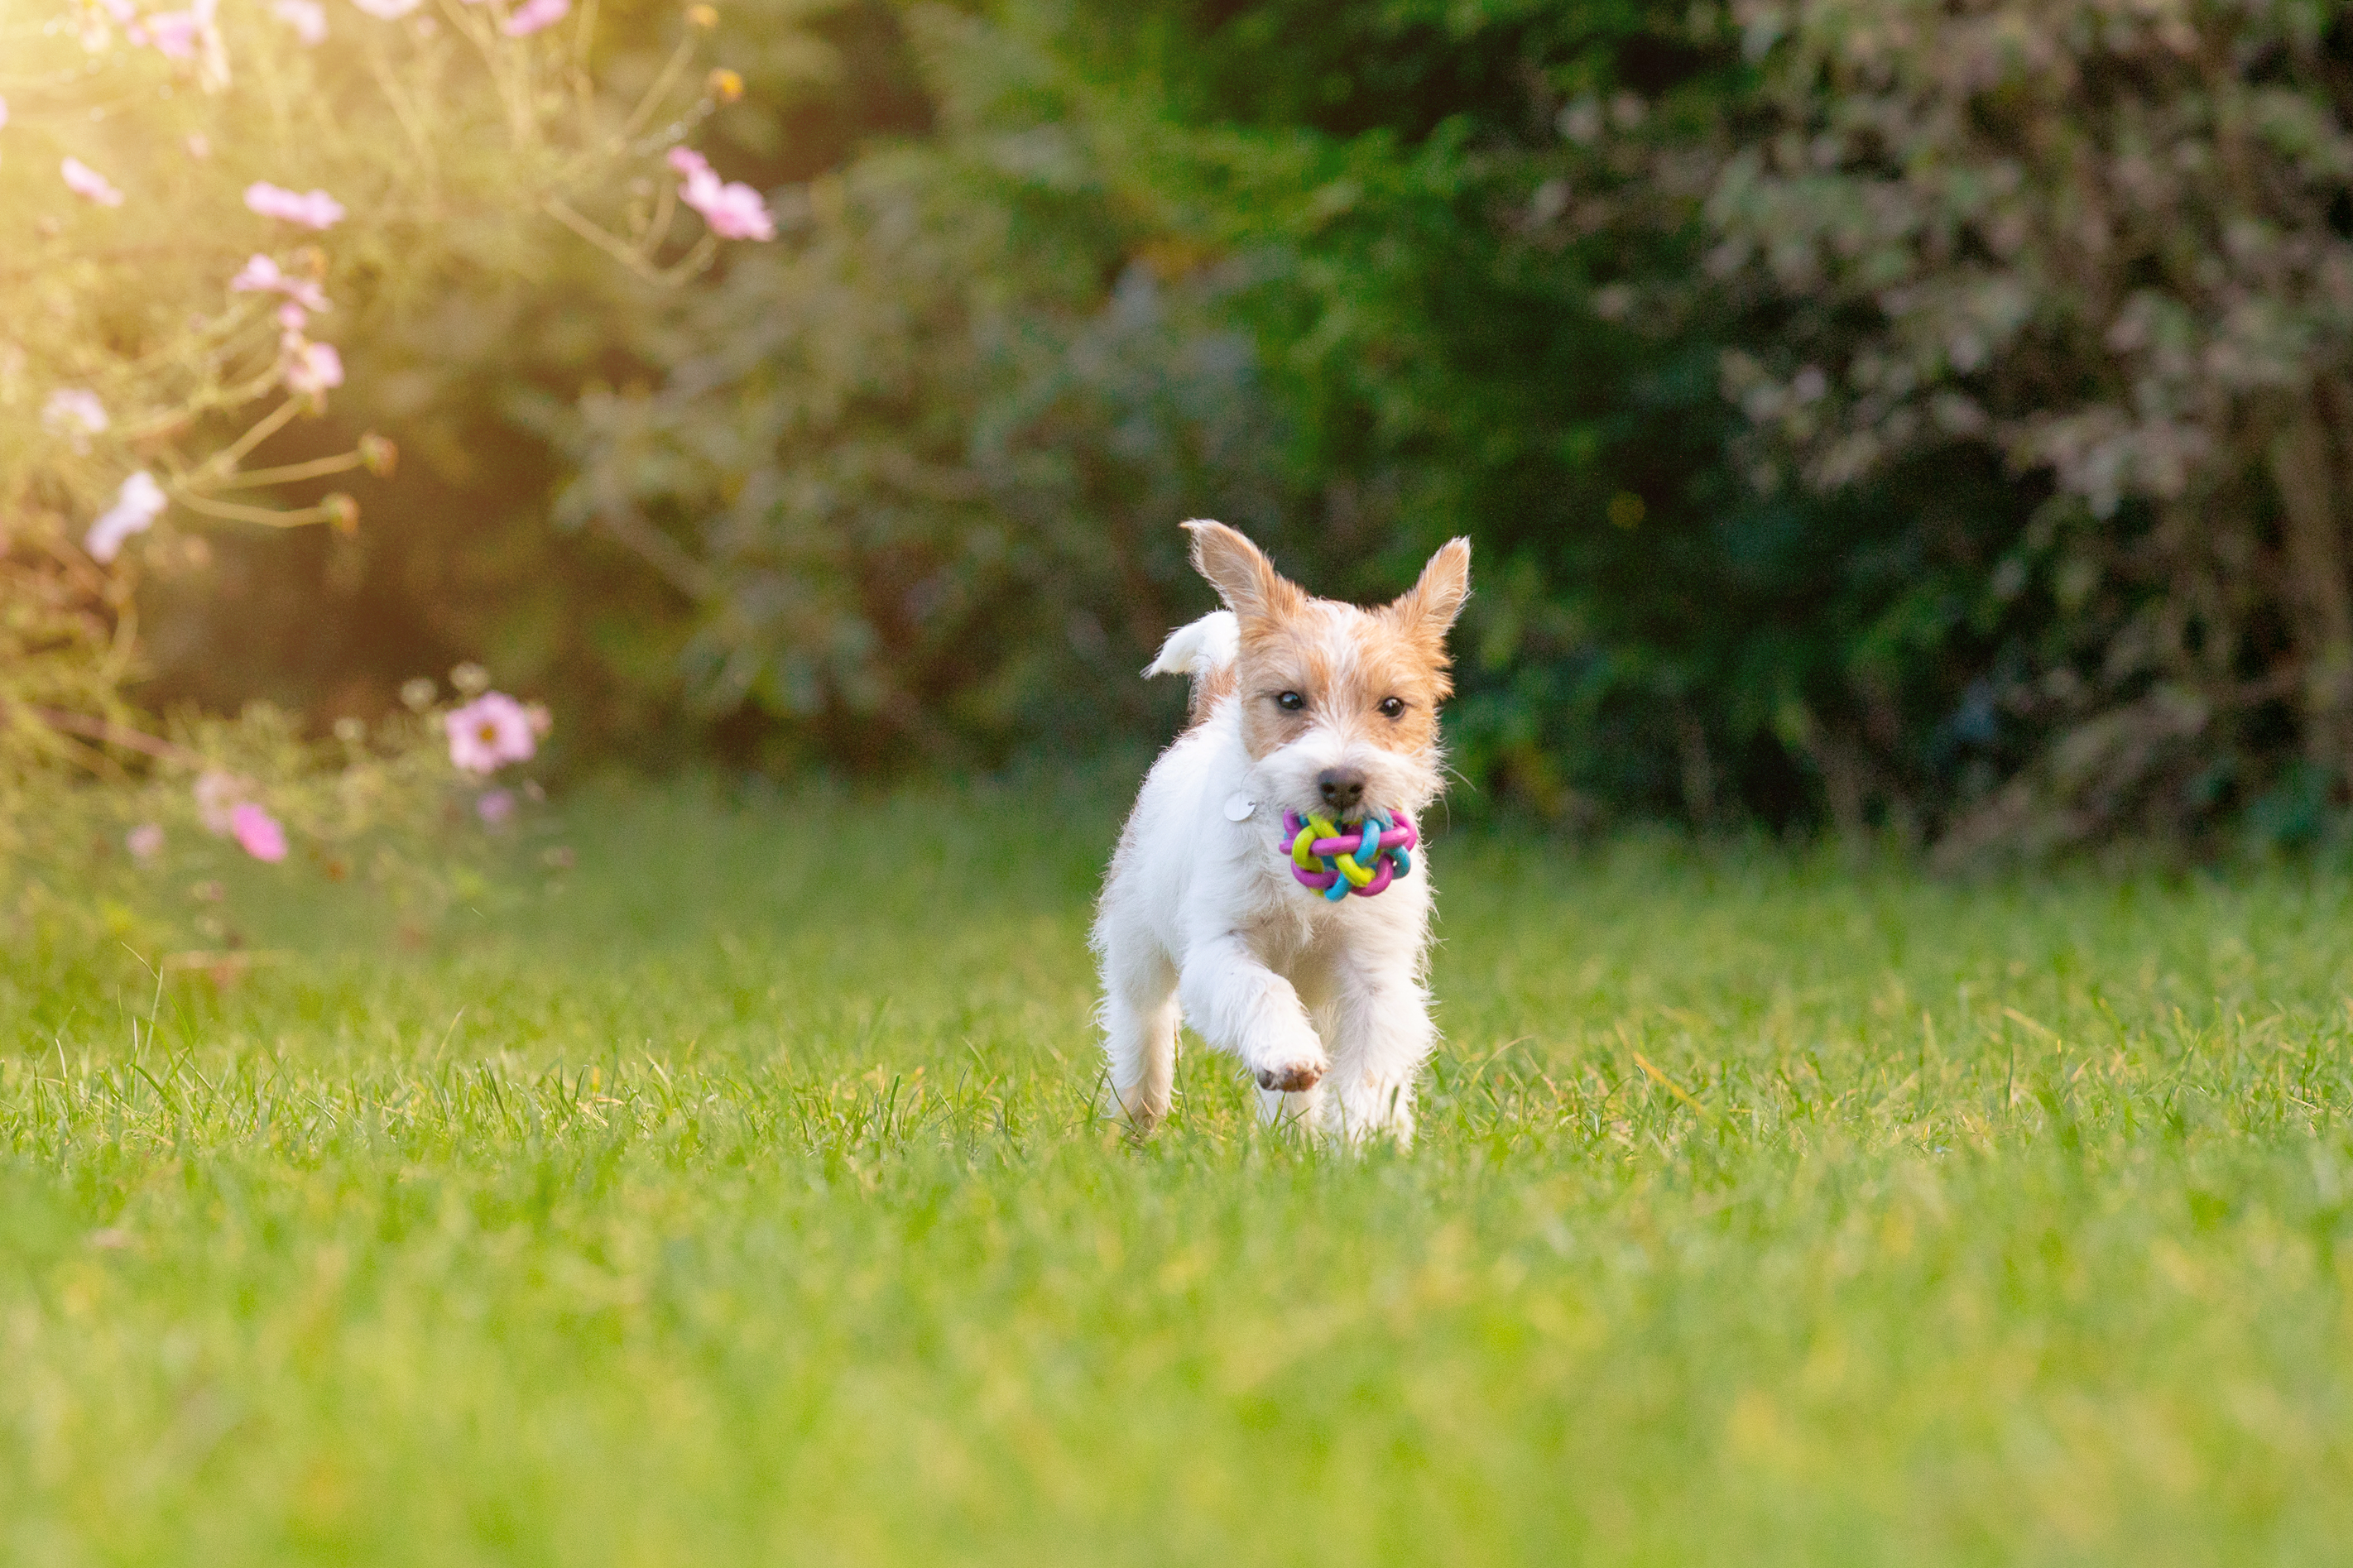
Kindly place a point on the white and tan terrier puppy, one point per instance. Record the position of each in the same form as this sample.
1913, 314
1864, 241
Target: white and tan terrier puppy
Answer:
1305, 705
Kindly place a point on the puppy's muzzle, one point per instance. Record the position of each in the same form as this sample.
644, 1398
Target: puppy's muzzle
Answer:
1342, 789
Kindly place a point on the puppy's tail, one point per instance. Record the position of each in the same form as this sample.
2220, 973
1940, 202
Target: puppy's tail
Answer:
1201, 649
1205, 650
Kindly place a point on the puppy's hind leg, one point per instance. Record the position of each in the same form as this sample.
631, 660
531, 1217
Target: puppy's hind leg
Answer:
1139, 1031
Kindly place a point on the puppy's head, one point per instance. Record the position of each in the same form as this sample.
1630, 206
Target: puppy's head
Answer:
1339, 705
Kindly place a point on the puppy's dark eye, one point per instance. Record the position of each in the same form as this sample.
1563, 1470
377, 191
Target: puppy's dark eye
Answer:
1290, 701
1392, 707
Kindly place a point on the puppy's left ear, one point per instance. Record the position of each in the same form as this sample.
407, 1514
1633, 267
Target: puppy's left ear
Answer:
1430, 606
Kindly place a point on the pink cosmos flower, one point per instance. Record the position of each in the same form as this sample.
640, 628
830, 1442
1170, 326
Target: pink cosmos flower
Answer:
217, 795
736, 212
174, 34
262, 275
315, 209
307, 18
313, 368
136, 507
732, 209
94, 36
192, 33
494, 806
257, 832
75, 415
89, 183
144, 841
489, 732
533, 14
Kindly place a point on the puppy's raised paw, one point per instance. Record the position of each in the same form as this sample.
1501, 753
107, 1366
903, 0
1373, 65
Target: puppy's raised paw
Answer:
1293, 1077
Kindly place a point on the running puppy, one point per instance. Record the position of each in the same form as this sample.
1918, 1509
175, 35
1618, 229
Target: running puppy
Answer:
1300, 705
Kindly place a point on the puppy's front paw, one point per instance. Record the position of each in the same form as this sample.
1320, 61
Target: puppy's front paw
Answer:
1291, 1077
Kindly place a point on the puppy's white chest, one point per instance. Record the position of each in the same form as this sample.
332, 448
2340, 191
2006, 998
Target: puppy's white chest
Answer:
1300, 936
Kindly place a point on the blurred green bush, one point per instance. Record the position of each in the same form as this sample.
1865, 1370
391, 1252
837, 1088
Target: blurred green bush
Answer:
1899, 416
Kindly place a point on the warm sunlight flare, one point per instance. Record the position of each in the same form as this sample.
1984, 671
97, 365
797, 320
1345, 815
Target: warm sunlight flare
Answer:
201, 194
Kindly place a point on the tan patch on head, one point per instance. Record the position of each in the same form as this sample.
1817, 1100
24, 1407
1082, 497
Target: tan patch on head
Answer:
1344, 663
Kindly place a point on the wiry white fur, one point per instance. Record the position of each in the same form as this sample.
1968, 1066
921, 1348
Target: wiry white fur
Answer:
1201, 916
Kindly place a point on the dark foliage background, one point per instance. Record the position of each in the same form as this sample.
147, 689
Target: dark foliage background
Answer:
1922, 417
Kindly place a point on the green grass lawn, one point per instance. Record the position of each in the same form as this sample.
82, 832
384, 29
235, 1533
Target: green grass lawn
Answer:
738, 1199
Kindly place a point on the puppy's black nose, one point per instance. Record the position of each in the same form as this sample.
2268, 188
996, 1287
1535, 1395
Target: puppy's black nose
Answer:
1343, 788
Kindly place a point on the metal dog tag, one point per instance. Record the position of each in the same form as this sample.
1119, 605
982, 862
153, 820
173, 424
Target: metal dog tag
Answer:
1239, 806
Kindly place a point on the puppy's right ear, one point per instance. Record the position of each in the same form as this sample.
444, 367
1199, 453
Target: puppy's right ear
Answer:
1240, 572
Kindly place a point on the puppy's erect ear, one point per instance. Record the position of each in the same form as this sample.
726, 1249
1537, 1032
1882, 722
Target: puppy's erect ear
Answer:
1240, 571
1430, 606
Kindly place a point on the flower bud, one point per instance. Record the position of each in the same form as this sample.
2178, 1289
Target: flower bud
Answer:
343, 512
417, 695
702, 16
471, 679
725, 85
350, 731
379, 456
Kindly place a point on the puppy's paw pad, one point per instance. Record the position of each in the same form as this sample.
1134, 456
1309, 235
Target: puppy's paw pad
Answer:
1295, 1077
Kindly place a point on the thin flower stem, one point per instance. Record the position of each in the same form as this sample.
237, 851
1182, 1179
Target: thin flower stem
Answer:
113, 733
621, 249
123, 651
226, 459
164, 422
59, 737
87, 577
514, 93
405, 111
657, 227
685, 574
693, 263
77, 116
318, 468
689, 265
656, 93
171, 420
584, 34
90, 759
231, 511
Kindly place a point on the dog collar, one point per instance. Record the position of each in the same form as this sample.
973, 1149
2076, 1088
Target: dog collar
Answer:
1337, 862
